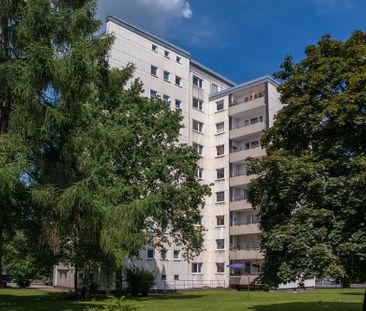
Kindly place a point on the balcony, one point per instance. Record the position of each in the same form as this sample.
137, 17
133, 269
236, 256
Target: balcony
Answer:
246, 130
236, 280
239, 205
241, 154
244, 229
241, 180
251, 254
240, 106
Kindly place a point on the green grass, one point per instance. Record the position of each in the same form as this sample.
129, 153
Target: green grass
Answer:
309, 300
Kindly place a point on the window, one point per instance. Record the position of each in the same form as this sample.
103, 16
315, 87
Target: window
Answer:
150, 254
178, 80
178, 59
154, 70
254, 120
220, 196
166, 54
199, 221
163, 253
197, 126
176, 255
166, 75
200, 173
178, 104
260, 118
153, 93
197, 267
154, 48
214, 88
198, 148
220, 105
220, 150
220, 220
220, 244
197, 104
220, 173
197, 81
220, 267
220, 127
166, 98
163, 277
176, 277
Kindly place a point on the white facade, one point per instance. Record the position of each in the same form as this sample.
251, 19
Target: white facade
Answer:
224, 122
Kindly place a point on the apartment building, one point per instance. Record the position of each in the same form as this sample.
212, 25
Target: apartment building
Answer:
223, 122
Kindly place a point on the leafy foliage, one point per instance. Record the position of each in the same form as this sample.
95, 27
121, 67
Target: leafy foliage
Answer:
91, 165
113, 304
139, 280
311, 186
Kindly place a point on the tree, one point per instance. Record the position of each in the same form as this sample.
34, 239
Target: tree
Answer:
94, 167
311, 187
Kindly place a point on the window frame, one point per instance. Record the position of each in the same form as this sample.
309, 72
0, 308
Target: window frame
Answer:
152, 69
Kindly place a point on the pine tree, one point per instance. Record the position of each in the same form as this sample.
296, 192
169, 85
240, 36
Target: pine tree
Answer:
94, 166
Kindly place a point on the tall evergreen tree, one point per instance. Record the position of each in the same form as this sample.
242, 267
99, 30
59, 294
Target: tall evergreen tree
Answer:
311, 186
96, 167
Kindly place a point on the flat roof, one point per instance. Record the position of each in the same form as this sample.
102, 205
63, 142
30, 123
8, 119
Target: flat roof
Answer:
244, 85
167, 45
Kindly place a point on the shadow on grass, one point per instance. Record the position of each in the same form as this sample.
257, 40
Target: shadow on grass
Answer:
310, 306
352, 294
42, 302
178, 296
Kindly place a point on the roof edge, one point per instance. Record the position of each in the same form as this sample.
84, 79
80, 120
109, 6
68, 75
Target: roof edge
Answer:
244, 85
212, 72
149, 36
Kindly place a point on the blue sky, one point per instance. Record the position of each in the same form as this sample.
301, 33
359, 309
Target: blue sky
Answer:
241, 39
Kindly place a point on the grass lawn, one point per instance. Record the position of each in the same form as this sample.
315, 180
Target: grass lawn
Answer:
310, 300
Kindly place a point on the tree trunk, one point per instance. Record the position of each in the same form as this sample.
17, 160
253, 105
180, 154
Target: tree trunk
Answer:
76, 280
1, 246
119, 282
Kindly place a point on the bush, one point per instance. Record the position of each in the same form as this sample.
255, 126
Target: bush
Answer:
139, 280
113, 304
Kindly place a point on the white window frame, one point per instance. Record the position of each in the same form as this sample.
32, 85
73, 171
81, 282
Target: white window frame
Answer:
147, 253
178, 104
197, 81
153, 94
166, 98
219, 193
217, 244
220, 217
174, 252
199, 124
166, 76
219, 129
154, 69
178, 81
200, 173
198, 148
222, 264
197, 267
218, 171
218, 148
197, 104
219, 103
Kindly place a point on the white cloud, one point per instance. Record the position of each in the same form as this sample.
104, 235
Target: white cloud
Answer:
155, 16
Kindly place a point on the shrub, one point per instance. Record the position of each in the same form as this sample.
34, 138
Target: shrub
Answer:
139, 280
113, 304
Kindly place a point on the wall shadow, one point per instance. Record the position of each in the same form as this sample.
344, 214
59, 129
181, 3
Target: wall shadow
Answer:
309, 306
42, 302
